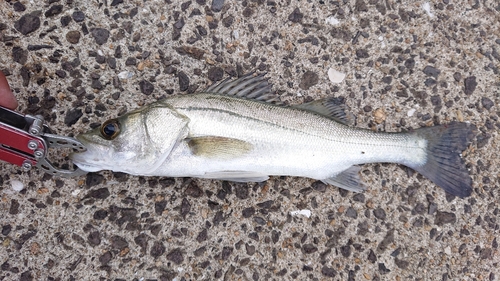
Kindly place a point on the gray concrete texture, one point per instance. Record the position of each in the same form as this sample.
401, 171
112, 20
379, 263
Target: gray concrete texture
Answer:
79, 63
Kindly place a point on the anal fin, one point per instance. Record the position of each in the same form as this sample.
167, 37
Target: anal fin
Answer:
348, 179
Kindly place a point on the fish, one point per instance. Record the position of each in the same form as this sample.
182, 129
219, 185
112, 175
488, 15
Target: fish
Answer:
238, 130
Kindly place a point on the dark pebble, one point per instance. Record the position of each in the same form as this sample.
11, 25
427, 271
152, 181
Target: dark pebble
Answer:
247, 12
296, 16
328, 271
382, 269
432, 71
65, 21
259, 220
217, 5
6, 229
351, 213
78, 16
142, 241
470, 85
146, 87
93, 179
19, 55
215, 74
100, 35
430, 82
202, 236
388, 240
185, 207
248, 212
19, 7
100, 214
27, 23
131, 61
308, 80
157, 249
179, 24
14, 207
105, 258
54, 10
101, 193
26, 276
73, 36
359, 197
266, 204
387, 79
118, 52
319, 186
116, 2
72, 116
61, 73
487, 103
250, 249
309, 248
175, 256
362, 54
379, 213
360, 6
401, 263
444, 218
118, 243
345, 250
94, 238
226, 252
183, 81
241, 191
193, 190
193, 52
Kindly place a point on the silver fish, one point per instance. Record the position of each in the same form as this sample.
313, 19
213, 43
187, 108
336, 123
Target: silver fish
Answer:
232, 131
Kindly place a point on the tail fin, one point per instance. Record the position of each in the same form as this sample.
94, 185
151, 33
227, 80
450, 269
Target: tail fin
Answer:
444, 165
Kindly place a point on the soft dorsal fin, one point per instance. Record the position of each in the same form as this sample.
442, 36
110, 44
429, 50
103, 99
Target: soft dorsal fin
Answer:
328, 107
348, 179
218, 147
249, 86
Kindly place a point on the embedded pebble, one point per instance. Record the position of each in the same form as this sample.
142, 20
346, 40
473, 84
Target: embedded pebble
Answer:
335, 76
379, 115
28, 23
305, 213
16, 185
73, 36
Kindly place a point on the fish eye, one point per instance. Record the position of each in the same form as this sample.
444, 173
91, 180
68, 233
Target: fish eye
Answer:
110, 129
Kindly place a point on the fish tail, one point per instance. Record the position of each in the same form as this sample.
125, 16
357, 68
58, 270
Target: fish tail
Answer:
444, 164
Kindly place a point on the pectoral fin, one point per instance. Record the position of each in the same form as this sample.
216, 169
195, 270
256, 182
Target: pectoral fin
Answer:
237, 176
348, 179
218, 147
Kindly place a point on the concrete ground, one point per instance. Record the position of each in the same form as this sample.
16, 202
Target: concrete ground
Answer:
408, 64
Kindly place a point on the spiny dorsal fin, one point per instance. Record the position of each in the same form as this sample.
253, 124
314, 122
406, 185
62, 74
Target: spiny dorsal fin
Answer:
249, 86
328, 107
218, 147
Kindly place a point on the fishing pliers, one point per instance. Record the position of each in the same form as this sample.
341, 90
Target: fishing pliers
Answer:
25, 141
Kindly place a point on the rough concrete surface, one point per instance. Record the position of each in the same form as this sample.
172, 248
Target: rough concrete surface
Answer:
79, 63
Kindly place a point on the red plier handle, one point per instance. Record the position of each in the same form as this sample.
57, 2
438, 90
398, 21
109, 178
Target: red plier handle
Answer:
24, 141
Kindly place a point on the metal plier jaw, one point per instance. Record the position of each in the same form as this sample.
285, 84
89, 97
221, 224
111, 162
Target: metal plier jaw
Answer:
25, 140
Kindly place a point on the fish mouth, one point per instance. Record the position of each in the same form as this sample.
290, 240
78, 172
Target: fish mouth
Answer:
88, 160
80, 160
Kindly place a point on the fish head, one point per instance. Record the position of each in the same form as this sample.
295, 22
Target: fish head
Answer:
135, 143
